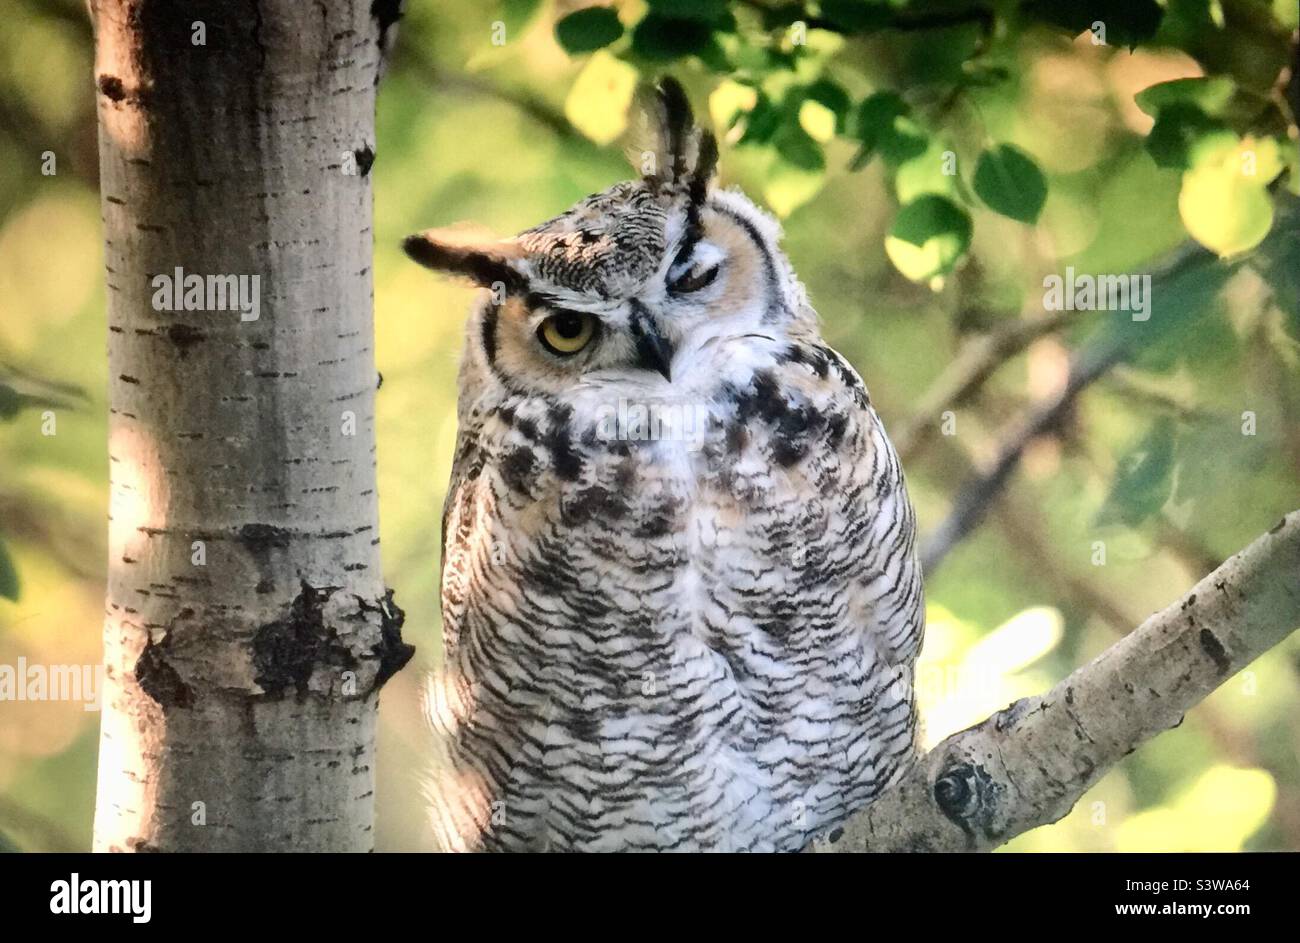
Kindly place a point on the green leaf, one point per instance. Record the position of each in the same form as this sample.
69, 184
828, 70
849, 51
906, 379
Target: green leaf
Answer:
8, 575
782, 15
710, 11
832, 95
762, 121
856, 16
798, 149
1008, 180
881, 123
12, 401
662, 38
1182, 133
1143, 478
1127, 22
928, 237
588, 30
1210, 94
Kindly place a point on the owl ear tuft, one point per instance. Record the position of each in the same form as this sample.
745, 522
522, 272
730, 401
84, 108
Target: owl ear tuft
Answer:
706, 165
470, 253
676, 124
683, 154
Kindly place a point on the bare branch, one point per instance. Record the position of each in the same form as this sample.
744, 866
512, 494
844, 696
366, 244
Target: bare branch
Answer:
1029, 764
978, 360
1171, 282
534, 107
975, 498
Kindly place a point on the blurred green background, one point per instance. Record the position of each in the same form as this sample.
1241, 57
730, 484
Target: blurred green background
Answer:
484, 115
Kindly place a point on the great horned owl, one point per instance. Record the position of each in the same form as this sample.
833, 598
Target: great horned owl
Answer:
680, 600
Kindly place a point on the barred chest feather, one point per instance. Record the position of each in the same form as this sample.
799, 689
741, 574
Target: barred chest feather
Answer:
677, 616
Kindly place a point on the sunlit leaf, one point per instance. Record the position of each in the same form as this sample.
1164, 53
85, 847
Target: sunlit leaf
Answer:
1210, 94
729, 100
600, 97
832, 96
1010, 183
1224, 201
929, 235
818, 120
588, 29
1291, 161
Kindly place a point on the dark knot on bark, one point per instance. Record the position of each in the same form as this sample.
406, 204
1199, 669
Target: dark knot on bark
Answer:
968, 796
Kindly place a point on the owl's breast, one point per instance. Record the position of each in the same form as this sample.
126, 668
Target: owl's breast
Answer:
656, 607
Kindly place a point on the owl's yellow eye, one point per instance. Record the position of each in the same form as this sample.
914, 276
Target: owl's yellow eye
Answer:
567, 333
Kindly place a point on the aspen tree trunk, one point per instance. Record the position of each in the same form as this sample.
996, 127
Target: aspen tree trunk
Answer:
248, 628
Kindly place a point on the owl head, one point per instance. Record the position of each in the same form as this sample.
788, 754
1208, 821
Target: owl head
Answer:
629, 283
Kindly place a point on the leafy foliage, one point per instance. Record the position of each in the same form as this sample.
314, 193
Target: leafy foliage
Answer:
511, 133
1009, 181
588, 29
798, 59
1144, 479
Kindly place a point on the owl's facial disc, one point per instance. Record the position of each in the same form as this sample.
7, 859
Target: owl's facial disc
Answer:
650, 279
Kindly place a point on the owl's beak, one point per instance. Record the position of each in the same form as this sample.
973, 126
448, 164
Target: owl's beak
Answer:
653, 352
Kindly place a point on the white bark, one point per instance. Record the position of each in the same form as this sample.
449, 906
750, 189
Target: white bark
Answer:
1029, 764
248, 628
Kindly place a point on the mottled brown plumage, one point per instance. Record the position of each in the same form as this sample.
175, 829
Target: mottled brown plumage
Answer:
680, 599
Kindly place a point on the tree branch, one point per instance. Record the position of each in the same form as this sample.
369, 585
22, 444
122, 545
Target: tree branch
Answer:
979, 359
1175, 285
977, 495
533, 107
1028, 764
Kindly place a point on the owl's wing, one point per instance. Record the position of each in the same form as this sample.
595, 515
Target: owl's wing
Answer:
458, 515
889, 596
858, 514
